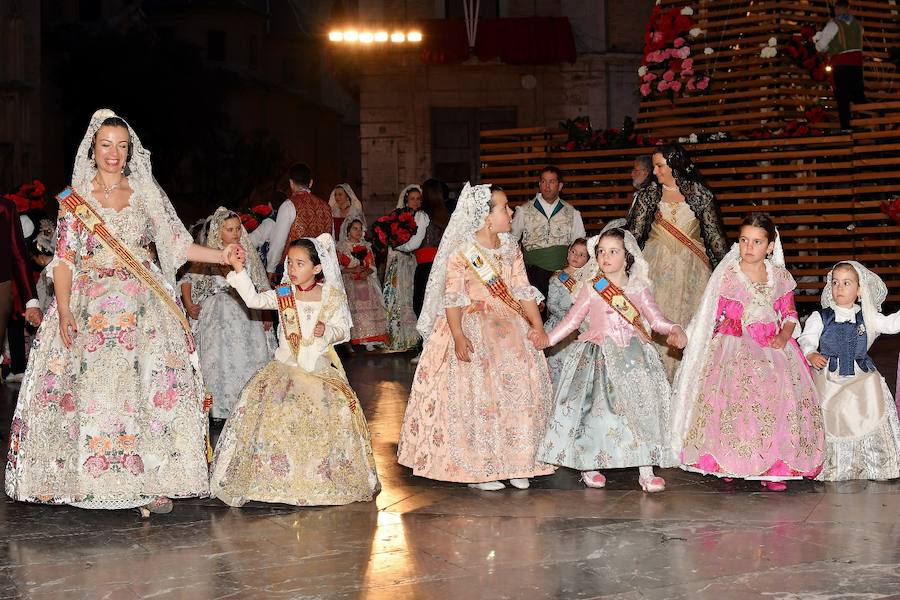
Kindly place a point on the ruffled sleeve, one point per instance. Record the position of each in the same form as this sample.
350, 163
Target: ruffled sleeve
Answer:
455, 293
68, 243
784, 294
171, 238
519, 285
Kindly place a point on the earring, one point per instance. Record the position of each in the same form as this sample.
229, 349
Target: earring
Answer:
490, 227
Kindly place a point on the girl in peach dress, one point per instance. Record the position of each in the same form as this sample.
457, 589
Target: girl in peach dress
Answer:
481, 393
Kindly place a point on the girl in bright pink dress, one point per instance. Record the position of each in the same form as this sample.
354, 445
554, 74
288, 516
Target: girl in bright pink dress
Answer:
744, 401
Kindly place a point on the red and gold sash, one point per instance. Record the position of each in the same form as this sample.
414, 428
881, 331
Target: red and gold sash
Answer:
491, 279
290, 326
684, 239
567, 280
70, 201
619, 302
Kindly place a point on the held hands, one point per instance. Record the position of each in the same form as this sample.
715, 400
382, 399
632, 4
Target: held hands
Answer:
67, 327
319, 331
193, 310
817, 360
780, 340
234, 255
538, 338
677, 338
463, 347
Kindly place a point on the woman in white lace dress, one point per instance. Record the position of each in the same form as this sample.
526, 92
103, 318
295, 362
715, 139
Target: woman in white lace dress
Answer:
232, 339
111, 409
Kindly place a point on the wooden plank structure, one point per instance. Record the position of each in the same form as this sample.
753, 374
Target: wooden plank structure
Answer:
824, 191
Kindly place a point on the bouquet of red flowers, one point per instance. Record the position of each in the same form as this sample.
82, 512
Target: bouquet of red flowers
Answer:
359, 253
29, 196
892, 208
801, 51
257, 214
395, 229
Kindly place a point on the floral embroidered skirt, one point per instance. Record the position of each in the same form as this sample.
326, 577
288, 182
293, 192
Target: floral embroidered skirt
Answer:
295, 439
757, 414
398, 300
610, 408
481, 420
367, 308
116, 419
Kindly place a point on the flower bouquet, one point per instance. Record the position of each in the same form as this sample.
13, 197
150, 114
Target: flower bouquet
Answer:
394, 229
801, 51
892, 208
257, 214
29, 196
667, 69
581, 136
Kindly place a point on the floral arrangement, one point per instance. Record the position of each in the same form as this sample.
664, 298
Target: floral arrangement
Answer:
360, 253
719, 136
667, 69
29, 196
394, 229
770, 49
581, 136
257, 214
795, 127
801, 51
892, 208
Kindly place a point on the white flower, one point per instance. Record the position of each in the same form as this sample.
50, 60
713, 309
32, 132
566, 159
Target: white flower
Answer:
773, 42
687, 11
769, 52
707, 50
695, 32
642, 71
692, 138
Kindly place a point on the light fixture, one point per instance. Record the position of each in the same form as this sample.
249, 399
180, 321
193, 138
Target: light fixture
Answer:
828, 68
369, 35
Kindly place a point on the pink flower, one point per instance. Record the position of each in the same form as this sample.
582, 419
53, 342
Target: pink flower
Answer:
663, 85
650, 77
690, 84
96, 465
133, 463
657, 36
67, 402
675, 86
645, 89
688, 63
703, 83
669, 75
679, 42
687, 73
654, 57
684, 52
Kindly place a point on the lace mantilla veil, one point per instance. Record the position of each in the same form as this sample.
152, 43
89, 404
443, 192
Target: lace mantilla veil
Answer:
172, 239
699, 331
401, 200
202, 286
333, 286
471, 209
356, 208
640, 269
872, 294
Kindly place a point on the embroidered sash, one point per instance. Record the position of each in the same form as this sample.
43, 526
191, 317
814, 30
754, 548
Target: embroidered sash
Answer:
91, 219
567, 280
616, 298
290, 326
684, 239
491, 279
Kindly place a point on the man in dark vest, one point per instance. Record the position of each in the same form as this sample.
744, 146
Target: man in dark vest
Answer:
843, 39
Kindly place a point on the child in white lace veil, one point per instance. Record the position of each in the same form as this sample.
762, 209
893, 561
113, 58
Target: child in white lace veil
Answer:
468, 217
640, 269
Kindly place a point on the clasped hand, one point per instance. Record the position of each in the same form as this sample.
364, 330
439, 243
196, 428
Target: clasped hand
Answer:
234, 255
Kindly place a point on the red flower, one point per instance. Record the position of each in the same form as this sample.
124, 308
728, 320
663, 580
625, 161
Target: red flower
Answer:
262, 210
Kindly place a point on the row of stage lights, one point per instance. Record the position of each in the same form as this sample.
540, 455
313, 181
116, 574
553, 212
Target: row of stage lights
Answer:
353, 36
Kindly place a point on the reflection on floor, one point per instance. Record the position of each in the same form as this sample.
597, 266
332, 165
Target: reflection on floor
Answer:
703, 538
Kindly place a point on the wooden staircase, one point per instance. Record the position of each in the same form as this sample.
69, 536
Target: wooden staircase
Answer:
825, 191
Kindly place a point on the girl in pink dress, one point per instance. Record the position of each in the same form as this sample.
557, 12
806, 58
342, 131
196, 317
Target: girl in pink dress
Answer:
744, 401
481, 393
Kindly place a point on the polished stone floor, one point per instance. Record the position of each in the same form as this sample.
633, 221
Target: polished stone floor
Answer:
703, 538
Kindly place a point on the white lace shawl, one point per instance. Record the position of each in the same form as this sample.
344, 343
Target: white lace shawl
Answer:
872, 294
169, 234
333, 285
355, 205
687, 382
468, 217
